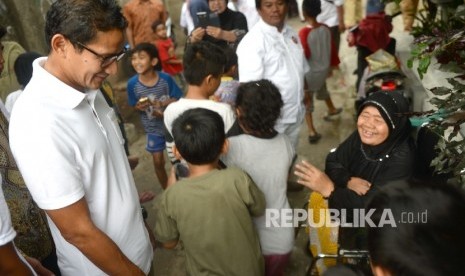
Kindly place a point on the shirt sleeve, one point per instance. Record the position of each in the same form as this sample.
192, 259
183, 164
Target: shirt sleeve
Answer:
251, 195
166, 228
132, 98
7, 233
250, 60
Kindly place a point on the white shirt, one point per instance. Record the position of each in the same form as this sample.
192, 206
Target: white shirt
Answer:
68, 145
7, 233
328, 15
11, 99
247, 7
265, 53
185, 19
177, 108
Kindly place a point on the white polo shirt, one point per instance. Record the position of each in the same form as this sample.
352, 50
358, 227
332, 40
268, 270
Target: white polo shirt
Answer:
265, 53
68, 145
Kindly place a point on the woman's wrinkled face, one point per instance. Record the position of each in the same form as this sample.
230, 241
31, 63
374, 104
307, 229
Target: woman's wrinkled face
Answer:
372, 128
217, 6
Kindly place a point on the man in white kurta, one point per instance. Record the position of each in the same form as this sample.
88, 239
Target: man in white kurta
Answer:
271, 50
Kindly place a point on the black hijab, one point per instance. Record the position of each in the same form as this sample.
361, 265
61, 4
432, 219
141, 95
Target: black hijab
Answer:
392, 106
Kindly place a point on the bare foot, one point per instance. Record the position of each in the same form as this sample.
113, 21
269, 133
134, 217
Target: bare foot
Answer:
133, 162
146, 196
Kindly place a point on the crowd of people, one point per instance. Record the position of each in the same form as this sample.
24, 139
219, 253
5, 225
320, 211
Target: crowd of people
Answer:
228, 114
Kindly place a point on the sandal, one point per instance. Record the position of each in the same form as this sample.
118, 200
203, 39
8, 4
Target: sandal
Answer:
328, 115
313, 139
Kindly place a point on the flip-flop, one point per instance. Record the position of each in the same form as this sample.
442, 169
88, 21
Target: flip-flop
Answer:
328, 116
313, 139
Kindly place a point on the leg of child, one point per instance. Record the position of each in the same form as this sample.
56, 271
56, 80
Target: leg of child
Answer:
156, 145
159, 164
313, 136
323, 94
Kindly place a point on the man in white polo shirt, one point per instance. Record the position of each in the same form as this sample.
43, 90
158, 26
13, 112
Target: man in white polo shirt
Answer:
272, 50
69, 148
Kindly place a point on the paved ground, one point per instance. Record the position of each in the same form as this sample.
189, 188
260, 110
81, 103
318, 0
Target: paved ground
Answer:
171, 262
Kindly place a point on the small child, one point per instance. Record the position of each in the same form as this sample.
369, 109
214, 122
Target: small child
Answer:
150, 92
266, 156
210, 211
227, 91
204, 63
321, 55
166, 50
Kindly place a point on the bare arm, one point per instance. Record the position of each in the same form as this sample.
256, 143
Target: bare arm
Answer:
10, 263
130, 37
340, 16
81, 232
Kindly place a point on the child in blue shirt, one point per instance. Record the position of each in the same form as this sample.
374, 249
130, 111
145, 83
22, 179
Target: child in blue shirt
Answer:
150, 92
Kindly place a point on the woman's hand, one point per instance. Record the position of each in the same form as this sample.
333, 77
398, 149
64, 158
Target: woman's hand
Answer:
314, 178
214, 32
197, 35
359, 185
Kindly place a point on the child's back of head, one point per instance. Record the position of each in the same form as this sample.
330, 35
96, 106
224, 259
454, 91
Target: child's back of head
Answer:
311, 8
150, 50
199, 136
23, 67
202, 59
259, 106
230, 67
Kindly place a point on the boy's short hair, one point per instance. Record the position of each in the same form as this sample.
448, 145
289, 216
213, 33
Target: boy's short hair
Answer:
311, 8
23, 67
155, 24
231, 58
259, 103
202, 59
151, 50
199, 135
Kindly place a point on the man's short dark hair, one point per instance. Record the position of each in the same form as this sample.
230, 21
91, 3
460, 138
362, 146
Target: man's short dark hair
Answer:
259, 103
81, 20
199, 135
258, 3
202, 59
311, 8
151, 50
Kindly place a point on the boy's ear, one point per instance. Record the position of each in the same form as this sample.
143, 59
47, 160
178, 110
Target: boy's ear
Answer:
176, 153
154, 61
225, 147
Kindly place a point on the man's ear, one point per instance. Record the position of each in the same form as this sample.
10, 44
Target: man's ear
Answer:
225, 148
60, 45
176, 153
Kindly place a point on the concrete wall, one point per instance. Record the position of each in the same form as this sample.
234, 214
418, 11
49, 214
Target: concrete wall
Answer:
25, 22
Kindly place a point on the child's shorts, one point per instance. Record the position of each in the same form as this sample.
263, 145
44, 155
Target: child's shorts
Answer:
155, 143
321, 94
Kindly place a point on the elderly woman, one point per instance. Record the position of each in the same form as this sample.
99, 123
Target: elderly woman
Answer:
379, 151
232, 26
